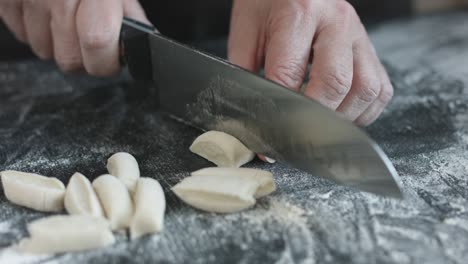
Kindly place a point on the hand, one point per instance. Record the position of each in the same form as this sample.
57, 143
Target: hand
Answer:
283, 35
76, 33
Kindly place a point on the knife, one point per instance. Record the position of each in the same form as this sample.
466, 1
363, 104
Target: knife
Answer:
209, 93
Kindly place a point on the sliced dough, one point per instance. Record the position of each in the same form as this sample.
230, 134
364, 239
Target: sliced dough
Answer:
80, 197
125, 167
222, 149
150, 205
115, 200
270, 160
213, 193
63, 233
33, 191
264, 178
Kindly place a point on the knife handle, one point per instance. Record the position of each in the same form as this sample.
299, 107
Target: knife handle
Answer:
134, 49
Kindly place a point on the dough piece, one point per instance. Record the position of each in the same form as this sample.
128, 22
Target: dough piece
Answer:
264, 178
213, 193
125, 167
80, 197
33, 191
115, 200
270, 160
63, 233
222, 149
150, 205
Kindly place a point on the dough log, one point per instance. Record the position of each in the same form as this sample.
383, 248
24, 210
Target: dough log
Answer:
213, 193
33, 191
64, 233
115, 200
150, 205
125, 167
80, 197
222, 149
263, 178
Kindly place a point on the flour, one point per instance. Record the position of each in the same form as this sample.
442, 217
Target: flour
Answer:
11, 255
4, 227
24, 164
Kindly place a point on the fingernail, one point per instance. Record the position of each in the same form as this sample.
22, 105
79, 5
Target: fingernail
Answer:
270, 160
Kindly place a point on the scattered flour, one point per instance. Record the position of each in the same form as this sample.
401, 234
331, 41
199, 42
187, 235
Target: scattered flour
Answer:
11, 255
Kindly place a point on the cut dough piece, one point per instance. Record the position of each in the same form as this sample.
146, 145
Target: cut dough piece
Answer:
213, 193
115, 200
33, 191
264, 178
222, 149
150, 205
63, 233
125, 167
270, 160
80, 197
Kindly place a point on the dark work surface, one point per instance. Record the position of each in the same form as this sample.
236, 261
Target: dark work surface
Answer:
55, 125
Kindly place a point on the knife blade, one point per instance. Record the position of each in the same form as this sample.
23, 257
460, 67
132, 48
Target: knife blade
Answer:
209, 93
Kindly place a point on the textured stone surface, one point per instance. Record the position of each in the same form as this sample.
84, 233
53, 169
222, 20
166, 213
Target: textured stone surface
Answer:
56, 125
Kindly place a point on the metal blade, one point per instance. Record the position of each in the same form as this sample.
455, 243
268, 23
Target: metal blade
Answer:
211, 94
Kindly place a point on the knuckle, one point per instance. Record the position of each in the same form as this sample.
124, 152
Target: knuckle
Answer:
369, 90
295, 13
64, 6
337, 85
289, 74
33, 2
281, 19
93, 41
345, 9
305, 5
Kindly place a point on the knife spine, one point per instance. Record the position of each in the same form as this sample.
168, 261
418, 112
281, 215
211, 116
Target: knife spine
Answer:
135, 49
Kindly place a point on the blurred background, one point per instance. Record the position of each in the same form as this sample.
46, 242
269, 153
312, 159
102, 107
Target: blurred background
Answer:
205, 24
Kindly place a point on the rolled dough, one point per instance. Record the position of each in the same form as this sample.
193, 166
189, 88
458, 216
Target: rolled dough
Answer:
150, 205
80, 197
222, 149
213, 193
64, 233
125, 167
266, 183
33, 191
115, 200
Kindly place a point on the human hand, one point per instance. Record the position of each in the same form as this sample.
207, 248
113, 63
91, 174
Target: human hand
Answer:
283, 35
78, 34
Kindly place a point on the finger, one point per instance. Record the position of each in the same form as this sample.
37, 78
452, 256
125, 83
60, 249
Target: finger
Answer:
289, 37
366, 81
261, 157
12, 15
66, 47
37, 25
377, 107
98, 25
246, 41
133, 9
331, 72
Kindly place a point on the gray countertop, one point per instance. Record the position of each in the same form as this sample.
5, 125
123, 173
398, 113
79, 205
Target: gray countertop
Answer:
55, 125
